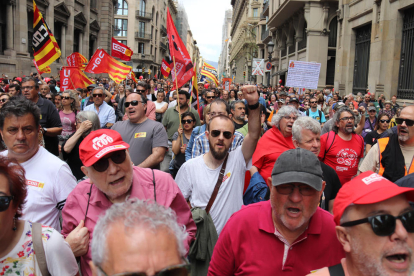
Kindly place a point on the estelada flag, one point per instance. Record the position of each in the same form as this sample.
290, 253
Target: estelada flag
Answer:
183, 70
165, 68
71, 77
78, 60
102, 62
120, 50
45, 48
45, 70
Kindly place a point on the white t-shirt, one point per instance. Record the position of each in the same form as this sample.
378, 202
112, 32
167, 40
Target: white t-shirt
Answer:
159, 105
196, 181
21, 259
49, 182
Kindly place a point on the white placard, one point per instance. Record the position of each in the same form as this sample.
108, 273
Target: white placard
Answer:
303, 74
258, 67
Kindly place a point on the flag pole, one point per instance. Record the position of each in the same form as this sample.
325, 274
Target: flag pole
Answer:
178, 100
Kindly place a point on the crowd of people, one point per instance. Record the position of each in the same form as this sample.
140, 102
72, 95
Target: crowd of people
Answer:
145, 179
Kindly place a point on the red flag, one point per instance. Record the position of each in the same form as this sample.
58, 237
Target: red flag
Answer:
102, 62
77, 59
183, 65
71, 77
120, 50
165, 68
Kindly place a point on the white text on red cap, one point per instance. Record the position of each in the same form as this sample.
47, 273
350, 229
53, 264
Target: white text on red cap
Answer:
101, 141
372, 178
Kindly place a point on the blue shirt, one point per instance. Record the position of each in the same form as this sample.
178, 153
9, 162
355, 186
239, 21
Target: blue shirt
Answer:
196, 131
106, 113
315, 115
202, 146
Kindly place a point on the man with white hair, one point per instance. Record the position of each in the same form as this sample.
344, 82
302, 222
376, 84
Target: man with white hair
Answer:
306, 134
138, 238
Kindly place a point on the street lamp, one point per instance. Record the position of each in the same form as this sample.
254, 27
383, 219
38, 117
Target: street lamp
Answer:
270, 46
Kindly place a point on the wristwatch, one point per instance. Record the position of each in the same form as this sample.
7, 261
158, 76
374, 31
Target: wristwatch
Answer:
44, 130
253, 106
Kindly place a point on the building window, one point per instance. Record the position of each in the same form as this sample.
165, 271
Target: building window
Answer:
255, 12
122, 7
333, 27
58, 33
142, 6
93, 4
141, 27
123, 42
91, 43
141, 48
76, 35
30, 32
151, 50
121, 27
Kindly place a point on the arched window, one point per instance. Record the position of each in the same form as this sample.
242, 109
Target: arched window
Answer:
142, 6
333, 27
122, 7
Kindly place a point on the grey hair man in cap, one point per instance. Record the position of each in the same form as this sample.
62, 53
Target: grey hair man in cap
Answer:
289, 234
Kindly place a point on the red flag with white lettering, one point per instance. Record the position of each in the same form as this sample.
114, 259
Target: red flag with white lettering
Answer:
120, 50
165, 68
183, 64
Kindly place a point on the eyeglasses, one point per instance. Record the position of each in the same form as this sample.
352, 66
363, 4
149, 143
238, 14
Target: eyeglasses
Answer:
400, 121
187, 121
287, 189
226, 134
140, 91
67, 98
290, 118
347, 119
5, 202
385, 121
133, 103
174, 270
372, 111
210, 97
27, 87
97, 95
3, 100
117, 157
384, 225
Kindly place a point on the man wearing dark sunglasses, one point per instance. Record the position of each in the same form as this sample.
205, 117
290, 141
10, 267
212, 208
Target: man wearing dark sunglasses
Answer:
392, 157
286, 235
147, 138
113, 179
105, 112
375, 225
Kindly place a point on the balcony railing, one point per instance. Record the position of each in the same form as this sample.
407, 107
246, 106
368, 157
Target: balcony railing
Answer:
142, 14
163, 46
265, 10
163, 29
265, 34
141, 35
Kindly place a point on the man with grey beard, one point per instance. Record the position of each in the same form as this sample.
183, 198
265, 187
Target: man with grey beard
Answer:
392, 156
375, 225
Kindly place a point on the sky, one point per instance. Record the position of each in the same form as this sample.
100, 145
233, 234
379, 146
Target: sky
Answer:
206, 20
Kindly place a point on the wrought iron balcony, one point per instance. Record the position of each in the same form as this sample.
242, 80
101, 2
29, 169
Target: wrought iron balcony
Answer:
142, 35
163, 46
144, 15
163, 29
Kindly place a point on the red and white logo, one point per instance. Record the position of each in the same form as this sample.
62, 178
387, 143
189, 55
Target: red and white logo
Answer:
101, 141
347, 157
118, 48
372, 178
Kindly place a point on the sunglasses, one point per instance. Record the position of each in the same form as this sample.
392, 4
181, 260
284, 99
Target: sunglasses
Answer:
312, 102
67, 98
385, 121
210, 97
97, 95
140, 91
3, 100
133, 103
400, 121
226, 134
174, 270
49, 98
117, 157
384, 225
5, 202
372, 111
287, 189
187, 121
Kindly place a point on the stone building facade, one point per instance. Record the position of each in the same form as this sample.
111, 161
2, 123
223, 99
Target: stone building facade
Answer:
224, 70
78, 26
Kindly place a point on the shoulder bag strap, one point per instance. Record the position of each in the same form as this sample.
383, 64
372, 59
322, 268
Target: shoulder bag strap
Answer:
336, 270
217, 187
153, 181
327, 142
38, 248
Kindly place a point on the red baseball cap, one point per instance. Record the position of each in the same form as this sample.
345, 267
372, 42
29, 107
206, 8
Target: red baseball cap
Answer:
19, 79
99, 143
367, 188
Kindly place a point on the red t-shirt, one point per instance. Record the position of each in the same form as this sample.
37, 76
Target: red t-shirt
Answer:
248, 245
343, 156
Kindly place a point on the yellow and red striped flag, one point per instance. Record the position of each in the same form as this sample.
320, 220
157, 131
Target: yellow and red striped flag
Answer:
45, 48
45, 70
71, 77
133, 77
78, 60
209, 72
102, 62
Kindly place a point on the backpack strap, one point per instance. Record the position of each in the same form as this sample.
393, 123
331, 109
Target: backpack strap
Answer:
38, 248
320, 116
327, 143
336, 270
307, 112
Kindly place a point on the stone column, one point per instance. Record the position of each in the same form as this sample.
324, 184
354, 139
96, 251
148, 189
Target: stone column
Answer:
10, 33
63, 43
